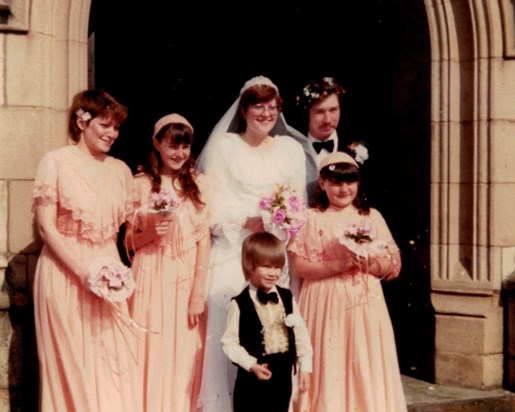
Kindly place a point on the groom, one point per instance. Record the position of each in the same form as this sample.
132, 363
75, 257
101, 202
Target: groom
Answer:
320, 101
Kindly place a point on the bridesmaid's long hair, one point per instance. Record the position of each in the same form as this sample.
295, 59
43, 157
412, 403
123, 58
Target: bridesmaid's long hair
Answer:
338, 173
176, 134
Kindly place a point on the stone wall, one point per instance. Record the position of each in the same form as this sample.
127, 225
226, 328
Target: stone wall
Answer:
43, 63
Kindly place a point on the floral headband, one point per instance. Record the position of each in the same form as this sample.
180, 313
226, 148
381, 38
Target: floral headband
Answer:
357, 156
317, 89
170, 118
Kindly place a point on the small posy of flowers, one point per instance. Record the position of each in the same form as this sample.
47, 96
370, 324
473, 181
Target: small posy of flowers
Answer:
292, 320
359, 233
359, 239
85, 116
163, 201
110, 279
284, 209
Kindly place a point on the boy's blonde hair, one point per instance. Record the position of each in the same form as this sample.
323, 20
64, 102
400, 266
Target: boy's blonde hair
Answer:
261, 249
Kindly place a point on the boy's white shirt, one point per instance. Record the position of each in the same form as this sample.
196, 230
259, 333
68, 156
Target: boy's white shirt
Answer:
239, 355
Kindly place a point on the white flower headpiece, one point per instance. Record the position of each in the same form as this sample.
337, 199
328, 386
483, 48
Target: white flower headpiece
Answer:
85, 116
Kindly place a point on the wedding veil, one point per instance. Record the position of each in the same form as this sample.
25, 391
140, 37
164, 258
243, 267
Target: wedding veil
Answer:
229, 123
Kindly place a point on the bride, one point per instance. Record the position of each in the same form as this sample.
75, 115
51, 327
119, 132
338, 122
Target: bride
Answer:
247, 154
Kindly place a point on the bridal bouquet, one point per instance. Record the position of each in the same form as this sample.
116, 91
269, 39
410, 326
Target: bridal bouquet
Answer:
283, 212
358, 239
110, 279
163, 202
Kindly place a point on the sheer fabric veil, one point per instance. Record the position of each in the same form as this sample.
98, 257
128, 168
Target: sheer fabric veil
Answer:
229, 123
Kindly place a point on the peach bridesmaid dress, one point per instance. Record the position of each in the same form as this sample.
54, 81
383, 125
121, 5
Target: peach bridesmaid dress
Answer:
86, 347
355, 365
169, 352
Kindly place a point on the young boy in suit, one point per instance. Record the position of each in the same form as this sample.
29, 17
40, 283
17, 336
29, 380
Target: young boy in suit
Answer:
265, 335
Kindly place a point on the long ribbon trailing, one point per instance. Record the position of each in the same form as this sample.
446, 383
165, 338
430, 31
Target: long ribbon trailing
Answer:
127, 320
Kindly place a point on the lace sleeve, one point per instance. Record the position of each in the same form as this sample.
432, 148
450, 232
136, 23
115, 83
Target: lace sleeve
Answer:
45, 184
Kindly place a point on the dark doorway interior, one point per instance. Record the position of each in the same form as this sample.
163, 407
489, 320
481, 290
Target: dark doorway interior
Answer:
193, 57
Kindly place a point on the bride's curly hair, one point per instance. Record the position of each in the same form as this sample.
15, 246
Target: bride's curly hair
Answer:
175, 134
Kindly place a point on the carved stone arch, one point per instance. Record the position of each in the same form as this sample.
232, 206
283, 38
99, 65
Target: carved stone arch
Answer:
462, 48
466, 49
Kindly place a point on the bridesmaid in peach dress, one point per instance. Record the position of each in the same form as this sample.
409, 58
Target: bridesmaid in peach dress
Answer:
81, 196
341, 254
170, 236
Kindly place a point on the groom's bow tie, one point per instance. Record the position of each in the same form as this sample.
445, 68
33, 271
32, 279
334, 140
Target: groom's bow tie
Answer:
327, 145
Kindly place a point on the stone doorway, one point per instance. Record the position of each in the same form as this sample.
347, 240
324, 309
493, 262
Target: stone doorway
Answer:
193, 57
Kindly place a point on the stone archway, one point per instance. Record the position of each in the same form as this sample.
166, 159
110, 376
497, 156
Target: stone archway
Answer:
386, 49
467, 237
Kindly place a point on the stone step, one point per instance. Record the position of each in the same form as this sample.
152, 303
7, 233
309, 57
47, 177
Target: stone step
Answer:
429, 397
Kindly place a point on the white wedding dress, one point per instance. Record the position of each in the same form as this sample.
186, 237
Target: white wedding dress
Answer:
240, 175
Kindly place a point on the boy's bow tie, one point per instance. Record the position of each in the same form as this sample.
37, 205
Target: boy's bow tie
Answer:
264, 297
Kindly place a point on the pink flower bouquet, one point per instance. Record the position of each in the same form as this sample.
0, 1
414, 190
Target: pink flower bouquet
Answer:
110, 279
359, 239
163, 202
283, 212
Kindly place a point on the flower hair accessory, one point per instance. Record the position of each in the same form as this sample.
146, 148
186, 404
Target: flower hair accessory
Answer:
317, 89
359, 152
83, 115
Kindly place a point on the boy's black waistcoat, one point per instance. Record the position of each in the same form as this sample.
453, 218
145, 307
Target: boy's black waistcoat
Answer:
251, 329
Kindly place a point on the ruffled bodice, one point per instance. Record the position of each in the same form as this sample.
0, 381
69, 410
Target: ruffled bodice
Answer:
93, 197
188, 225
242, 174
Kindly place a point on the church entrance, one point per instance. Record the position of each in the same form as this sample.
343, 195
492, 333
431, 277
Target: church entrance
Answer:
193, 57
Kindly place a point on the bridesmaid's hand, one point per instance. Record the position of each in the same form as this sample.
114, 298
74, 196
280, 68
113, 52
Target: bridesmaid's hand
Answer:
254, 224
345, 261
162, 223
195, 310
